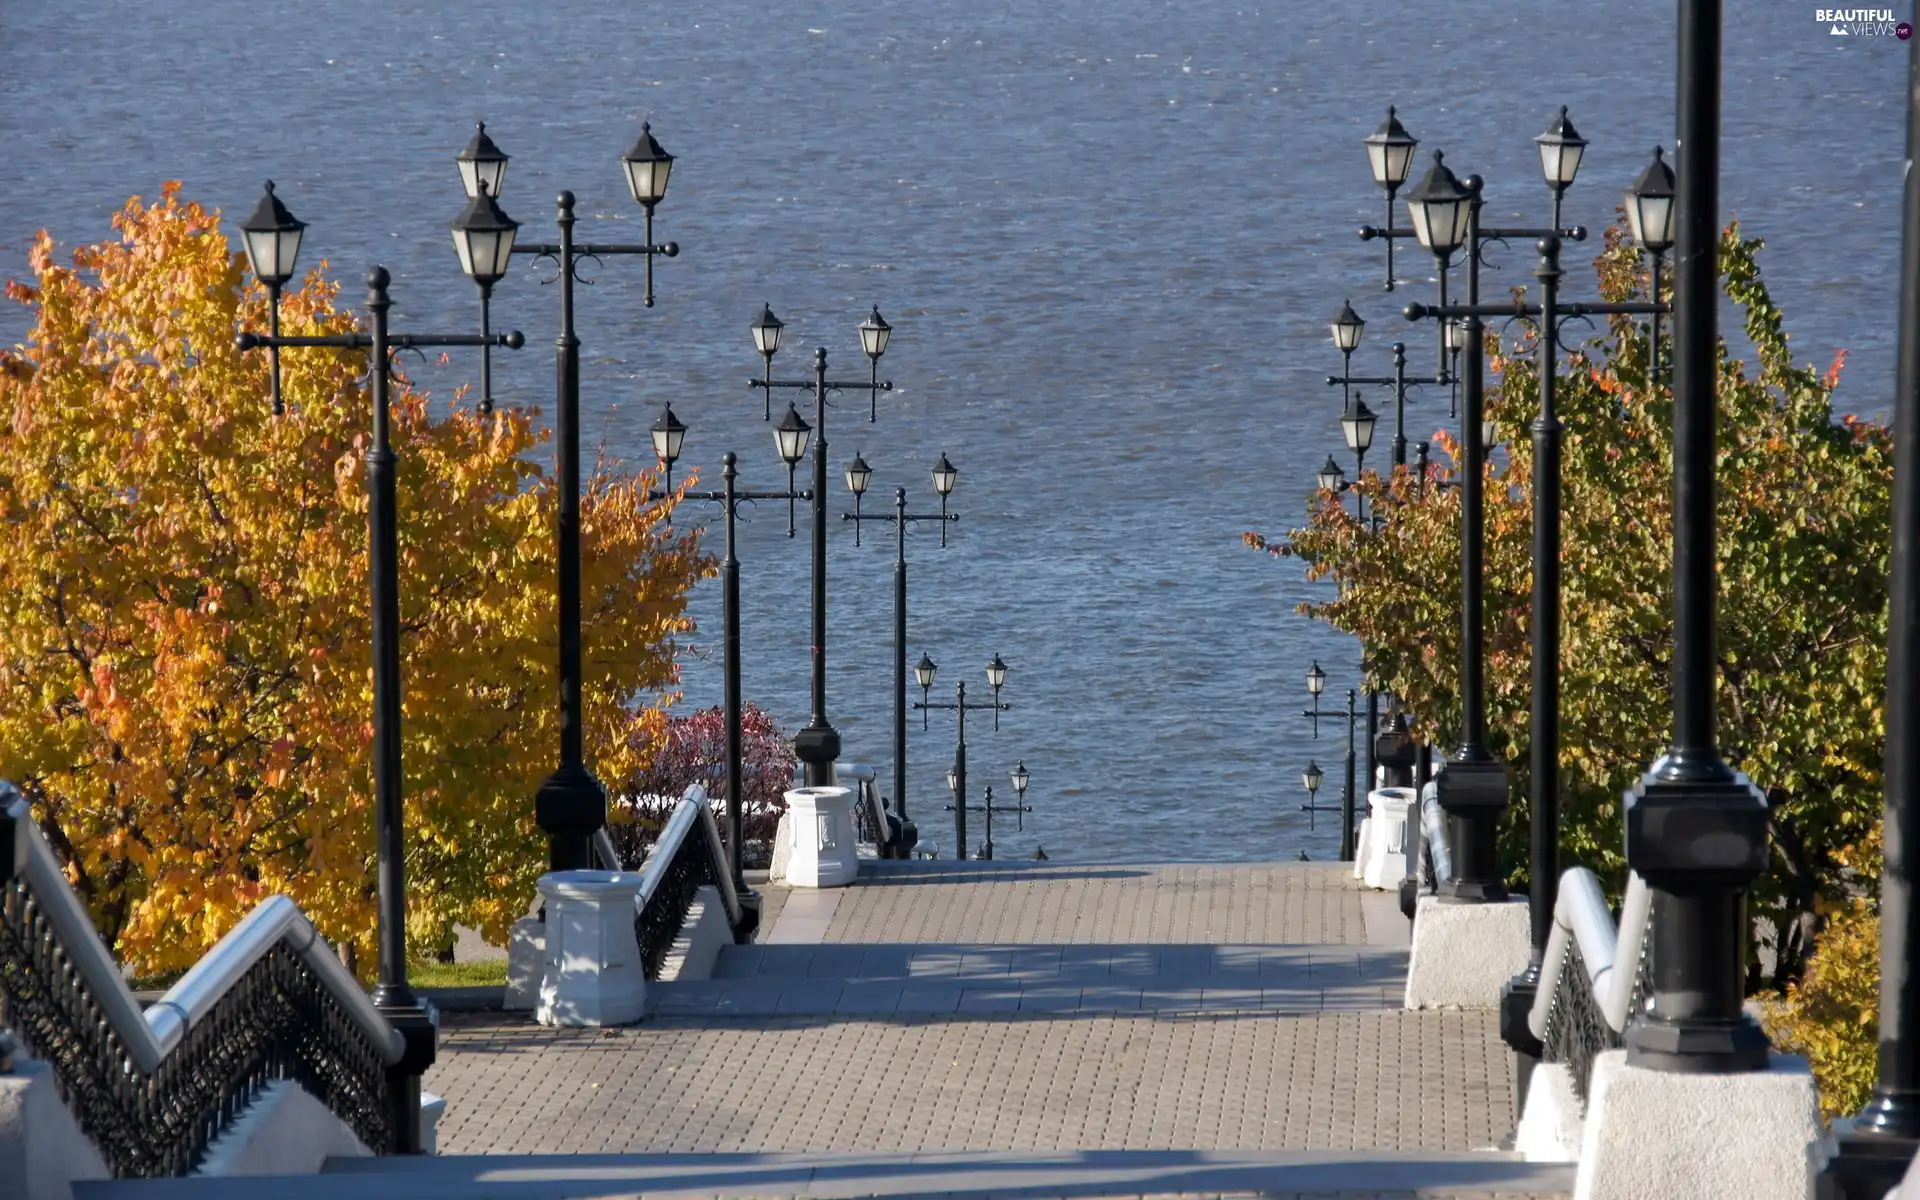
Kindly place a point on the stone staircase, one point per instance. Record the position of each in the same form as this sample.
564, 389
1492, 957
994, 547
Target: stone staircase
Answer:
1023, 1029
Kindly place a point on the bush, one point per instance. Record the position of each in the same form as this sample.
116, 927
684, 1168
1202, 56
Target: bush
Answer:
1832, 1014
695, 751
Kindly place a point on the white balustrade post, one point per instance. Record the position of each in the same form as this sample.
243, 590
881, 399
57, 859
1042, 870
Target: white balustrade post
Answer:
593, 974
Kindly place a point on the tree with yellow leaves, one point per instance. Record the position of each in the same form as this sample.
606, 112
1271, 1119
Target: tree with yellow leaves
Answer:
185, 639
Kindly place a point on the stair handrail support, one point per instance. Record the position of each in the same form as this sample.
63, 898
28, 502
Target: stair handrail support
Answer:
1591, 977
136, 1137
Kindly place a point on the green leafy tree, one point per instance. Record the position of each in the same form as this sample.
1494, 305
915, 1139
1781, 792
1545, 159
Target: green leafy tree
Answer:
1803, 512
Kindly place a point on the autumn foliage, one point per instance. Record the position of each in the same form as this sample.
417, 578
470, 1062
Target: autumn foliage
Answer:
693, 749
185, 679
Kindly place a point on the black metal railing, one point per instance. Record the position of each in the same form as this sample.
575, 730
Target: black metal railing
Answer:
277, 1021
1577, 1031
1578, 1027
688, 857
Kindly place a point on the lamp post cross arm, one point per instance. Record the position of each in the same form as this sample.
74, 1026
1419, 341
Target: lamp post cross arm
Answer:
970, 706
882, 385
394, 341
899, 516
597, 249
1572, 233
1387, 380
1520, 308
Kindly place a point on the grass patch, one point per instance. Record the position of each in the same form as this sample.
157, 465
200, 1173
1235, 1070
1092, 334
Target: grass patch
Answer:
452, 975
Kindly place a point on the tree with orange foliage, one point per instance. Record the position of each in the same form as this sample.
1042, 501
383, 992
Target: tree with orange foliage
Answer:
185, 638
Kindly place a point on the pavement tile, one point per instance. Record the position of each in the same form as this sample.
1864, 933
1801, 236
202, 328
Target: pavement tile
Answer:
865, 998
982, 999
1049, 999
929, 998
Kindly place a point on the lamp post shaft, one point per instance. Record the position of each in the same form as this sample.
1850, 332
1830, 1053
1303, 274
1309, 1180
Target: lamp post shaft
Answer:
486, 348
1874, 1153
736, 775
818, 745
1544, 740
900, 655
960, 772
392, 993
986, 847
1653, 333
1399, 404
571, 804
273, 351
1346, 796
1517, 995
384, 571
1472, 786
1696, 830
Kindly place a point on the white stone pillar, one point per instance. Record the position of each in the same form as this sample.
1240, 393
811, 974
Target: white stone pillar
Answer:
1751, 1136
824, 851
1385, 863
592, 974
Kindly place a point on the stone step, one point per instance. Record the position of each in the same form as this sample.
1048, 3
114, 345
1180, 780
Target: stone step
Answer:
852, 981
978, 1175
1171, 965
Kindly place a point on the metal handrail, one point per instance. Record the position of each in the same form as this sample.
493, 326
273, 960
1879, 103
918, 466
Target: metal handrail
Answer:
688, 855
1581, 916
867, 795
149, 1037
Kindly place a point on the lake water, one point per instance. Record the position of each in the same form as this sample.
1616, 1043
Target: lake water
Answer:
1109, 238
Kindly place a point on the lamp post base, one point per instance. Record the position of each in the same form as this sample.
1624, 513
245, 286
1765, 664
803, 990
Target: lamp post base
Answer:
817, 746
1699, 842
569, 807
1474, 794
418, 1034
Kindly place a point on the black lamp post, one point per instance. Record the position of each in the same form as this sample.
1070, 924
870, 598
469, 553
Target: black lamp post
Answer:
669, 434
1544, 736
1311, 778
272, 239
570, 804
957, 776
1021, 778
857, 483
1453, 339
1347, 328
730, 498
1356, 425
392, 994
954, 779
1696, 828
1390, 156
1877, 1145
818, 745
1399, 381
1445, 215
1649, 205
1316, 683
483, 236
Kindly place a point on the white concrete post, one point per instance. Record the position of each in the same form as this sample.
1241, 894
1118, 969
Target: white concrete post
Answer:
1385, 860
824, 852
593, 974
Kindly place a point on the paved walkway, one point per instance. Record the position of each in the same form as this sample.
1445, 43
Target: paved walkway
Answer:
1044, 1009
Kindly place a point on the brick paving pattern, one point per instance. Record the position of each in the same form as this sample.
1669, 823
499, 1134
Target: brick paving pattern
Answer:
1068, 903
1341, 1081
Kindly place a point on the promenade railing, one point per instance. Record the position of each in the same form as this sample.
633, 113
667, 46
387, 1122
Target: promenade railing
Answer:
688, 856
1594, 976
152, 1090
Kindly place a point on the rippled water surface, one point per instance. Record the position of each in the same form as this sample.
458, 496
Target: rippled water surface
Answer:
1108, 237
